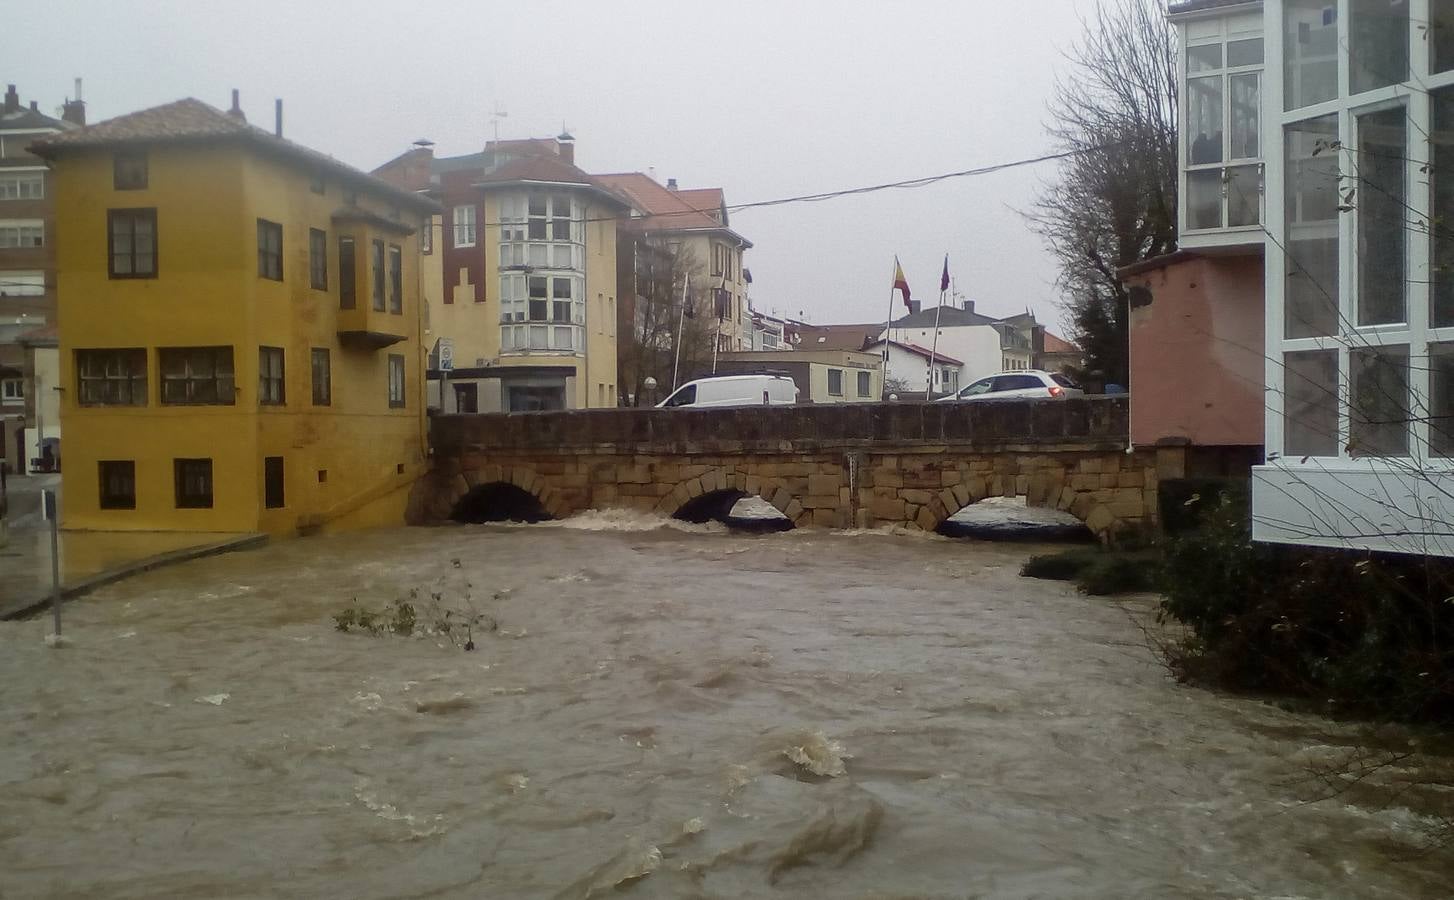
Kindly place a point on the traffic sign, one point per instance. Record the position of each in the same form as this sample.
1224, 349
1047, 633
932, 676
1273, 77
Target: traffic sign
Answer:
446, 354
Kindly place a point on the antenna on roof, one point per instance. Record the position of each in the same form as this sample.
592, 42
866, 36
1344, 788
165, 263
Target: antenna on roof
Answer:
495, 117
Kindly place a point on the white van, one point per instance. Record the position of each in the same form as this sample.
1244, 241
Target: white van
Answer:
733, 390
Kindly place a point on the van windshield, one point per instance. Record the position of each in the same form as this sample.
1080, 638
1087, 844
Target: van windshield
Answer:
684, 397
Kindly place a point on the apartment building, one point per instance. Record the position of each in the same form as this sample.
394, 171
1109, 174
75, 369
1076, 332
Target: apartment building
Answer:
1318, 138
526, 255
239, 328
695, 223
27, 282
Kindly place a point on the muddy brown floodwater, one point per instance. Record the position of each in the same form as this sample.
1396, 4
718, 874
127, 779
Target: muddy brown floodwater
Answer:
662, 712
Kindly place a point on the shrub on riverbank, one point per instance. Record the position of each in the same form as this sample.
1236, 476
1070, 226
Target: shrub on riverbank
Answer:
1365, 634
1098, 572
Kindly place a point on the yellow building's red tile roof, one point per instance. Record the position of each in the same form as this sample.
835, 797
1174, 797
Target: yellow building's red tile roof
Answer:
190, 120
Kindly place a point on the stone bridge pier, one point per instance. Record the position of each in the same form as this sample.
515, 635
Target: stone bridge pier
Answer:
848, 466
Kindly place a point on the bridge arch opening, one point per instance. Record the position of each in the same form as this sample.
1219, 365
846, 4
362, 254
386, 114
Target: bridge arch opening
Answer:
499, 502
1011, 519
736, 509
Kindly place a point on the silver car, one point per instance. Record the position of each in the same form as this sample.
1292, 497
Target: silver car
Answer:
1029, 384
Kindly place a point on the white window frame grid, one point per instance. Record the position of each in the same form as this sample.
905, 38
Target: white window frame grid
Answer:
23, 283
464, 221
13, 234
1224, 74
13, 182
1417, 333
12, 391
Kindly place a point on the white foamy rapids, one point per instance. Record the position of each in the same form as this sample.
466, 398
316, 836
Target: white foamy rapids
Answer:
629, 520
816, 753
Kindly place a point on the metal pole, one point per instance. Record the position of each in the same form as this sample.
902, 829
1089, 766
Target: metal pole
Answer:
39, 427
934, 347
48, 500
889, 321
681, 322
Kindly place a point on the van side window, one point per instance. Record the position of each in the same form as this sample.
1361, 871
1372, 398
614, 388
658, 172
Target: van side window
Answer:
765, 400
684, 397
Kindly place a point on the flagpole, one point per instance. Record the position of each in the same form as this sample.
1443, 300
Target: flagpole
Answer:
681, 321
934, 345
888, 321
934, 348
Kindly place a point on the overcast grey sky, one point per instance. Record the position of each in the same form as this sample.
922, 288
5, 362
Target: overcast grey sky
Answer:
765, 99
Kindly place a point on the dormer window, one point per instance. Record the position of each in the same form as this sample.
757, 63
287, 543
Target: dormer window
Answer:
1222, 150
128, 172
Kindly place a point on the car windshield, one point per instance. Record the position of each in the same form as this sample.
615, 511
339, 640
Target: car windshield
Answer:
684, 397
1063, 380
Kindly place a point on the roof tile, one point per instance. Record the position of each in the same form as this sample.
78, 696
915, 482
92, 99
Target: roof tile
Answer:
190, 119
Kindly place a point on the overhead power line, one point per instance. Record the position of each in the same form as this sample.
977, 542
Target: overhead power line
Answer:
907, 184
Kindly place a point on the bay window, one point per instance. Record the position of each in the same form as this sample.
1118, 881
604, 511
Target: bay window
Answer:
1222, 127
542, 263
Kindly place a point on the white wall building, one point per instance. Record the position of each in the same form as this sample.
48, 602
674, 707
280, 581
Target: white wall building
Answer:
1324, 130
964, 335
908, 365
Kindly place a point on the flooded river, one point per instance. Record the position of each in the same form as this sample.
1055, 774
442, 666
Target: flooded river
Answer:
654, 712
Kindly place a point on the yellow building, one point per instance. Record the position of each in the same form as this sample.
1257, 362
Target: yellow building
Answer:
239, 328
525, 257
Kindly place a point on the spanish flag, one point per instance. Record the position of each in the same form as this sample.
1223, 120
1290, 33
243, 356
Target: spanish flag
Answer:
901, 283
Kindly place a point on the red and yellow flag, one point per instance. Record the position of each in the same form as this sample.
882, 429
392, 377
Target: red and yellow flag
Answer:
901, 283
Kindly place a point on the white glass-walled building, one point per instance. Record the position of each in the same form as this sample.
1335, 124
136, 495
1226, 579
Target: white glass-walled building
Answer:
1358, 134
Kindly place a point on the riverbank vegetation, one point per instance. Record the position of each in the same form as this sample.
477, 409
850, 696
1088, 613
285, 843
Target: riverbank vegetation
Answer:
1360, 636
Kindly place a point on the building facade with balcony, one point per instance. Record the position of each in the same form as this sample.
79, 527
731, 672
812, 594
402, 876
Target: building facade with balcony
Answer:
239, 328
694, 223
1350, 121
27, 281
526, 253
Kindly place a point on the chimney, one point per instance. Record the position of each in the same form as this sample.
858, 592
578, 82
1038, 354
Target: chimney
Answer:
74, 111
671, 184
12, 100
278, 117
236, 110
914, 306
969, 306
565, 145
35, 106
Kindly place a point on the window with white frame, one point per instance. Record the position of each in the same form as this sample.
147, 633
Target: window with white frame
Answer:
1366, 293
1222, 124
22, 284
541, 231
12, 391
22, 185
16, 233
464, 226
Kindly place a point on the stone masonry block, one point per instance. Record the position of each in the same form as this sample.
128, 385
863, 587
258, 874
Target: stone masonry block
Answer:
1100, 520
961, 494
824, 484
890, 508
780, 499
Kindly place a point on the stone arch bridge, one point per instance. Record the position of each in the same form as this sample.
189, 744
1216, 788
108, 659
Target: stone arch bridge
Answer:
840, 466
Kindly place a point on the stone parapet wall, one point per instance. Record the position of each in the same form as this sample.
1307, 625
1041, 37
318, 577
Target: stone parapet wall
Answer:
807, 462
1099, 422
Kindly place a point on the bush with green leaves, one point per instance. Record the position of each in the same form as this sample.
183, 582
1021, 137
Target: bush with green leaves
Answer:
1363, 634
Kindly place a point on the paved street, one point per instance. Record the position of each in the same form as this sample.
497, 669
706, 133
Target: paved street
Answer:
86, 556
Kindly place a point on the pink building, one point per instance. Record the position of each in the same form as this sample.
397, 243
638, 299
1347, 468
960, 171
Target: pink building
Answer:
1196, 336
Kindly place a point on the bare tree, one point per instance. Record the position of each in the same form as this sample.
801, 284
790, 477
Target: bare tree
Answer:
655, 321
1113, 202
